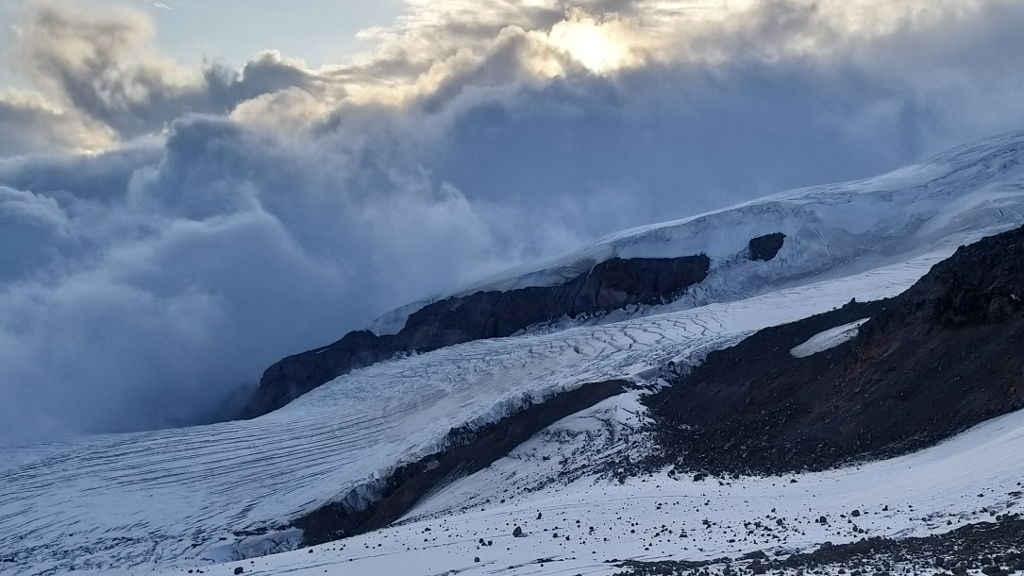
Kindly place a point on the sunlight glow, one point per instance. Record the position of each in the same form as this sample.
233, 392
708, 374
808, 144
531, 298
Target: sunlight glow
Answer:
599, 46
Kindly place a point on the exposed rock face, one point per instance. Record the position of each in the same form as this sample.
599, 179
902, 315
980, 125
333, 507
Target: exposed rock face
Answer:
766, 247
943, 356
469, 451
610, 285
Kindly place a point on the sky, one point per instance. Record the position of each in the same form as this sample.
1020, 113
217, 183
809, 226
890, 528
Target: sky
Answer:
190, 192
235, 30
232, 31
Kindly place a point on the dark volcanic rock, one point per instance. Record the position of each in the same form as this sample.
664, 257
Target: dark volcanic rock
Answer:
295, 375
470, 450
941, 357
766, 247
610, 285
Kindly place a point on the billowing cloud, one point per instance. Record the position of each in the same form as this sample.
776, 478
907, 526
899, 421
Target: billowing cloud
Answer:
31, 124
222, 219
101, 67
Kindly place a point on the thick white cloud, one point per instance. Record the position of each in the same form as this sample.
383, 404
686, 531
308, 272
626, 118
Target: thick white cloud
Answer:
99, 69
235, 217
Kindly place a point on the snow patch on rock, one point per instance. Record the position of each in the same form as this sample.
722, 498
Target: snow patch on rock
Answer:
828, 339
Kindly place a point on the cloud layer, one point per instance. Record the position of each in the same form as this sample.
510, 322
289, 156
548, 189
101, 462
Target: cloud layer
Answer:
168, 232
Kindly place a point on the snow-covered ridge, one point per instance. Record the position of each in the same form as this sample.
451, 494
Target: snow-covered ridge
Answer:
953, 198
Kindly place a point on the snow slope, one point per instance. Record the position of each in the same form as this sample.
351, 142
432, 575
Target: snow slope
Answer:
969, 478
170, 496
181, 498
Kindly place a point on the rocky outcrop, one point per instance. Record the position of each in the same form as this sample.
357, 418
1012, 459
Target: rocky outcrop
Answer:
469, 451
609, 285
766, 247
943, 356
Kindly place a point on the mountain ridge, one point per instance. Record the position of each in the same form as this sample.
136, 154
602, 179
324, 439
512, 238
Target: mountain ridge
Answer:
818, 229
194, 497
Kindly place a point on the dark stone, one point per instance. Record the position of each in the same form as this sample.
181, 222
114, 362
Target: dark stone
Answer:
239, 570
518, 532
930, 363
609, 285
766, 247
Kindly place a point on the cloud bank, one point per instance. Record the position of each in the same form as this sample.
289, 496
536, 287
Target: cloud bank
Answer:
168, 232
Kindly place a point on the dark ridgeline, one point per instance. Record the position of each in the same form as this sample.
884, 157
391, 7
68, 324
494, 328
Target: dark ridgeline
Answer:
609, 285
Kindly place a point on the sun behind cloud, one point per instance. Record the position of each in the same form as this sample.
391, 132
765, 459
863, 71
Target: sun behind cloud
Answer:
600, 46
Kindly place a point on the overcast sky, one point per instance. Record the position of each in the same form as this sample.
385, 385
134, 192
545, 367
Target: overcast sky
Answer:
190, 192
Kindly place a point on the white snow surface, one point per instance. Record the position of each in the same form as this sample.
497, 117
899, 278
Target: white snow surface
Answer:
969, 478
183, 498
828, 339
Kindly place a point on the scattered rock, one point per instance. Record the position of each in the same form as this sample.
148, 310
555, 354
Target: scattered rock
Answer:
986, 547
